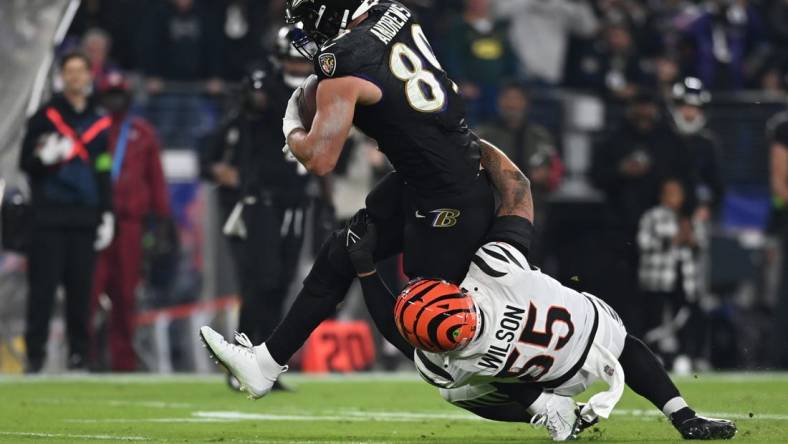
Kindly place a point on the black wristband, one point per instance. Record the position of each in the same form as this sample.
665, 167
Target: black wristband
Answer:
514, 230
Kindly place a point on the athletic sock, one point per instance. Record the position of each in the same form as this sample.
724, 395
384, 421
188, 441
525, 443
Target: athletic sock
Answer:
268, 365
307, 312
645, 375
380, 304
674, 405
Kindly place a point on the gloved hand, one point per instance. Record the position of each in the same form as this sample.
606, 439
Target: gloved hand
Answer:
361, 238
105, 232
292, 118
55, 149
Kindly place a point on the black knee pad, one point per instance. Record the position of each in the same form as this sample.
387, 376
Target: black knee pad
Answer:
332, 273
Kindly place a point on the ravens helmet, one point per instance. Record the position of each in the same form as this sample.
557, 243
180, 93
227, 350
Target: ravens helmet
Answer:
322, 20
436, 316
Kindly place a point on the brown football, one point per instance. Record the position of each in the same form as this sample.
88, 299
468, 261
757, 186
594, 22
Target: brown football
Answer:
307, 103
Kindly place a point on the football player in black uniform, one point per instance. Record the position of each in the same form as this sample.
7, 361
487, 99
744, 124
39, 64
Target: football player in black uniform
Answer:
377, 71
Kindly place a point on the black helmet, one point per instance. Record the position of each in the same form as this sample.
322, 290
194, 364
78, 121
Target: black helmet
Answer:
322, 20
690, 91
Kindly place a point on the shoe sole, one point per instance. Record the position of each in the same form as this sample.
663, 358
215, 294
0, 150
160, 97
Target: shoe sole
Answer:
727, 433
224, 366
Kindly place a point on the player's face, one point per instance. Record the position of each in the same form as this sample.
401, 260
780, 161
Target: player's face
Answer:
76, 76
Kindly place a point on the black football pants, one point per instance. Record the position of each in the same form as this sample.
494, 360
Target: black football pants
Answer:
59, 255
438, 236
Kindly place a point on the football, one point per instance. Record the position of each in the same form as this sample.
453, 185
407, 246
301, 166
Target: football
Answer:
307, 102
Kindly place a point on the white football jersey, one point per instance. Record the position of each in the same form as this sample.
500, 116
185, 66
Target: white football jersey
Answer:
533, 329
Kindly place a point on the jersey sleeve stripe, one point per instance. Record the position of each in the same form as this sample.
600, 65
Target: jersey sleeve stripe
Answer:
496, 255
509, 255
428, 366
486, 268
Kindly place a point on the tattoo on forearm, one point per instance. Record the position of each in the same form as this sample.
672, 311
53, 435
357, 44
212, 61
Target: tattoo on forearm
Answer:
512, 185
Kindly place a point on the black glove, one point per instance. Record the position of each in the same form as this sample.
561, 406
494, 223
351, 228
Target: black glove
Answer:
361, 238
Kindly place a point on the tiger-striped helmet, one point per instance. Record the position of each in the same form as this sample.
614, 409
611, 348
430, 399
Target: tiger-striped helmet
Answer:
436, 316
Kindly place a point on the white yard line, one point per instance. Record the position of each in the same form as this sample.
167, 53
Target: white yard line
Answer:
117, 403
68, 435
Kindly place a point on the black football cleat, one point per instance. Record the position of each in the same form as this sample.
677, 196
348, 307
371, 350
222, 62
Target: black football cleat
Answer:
584, 424
699, 427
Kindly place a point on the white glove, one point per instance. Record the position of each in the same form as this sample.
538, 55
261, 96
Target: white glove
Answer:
56, 149
292, 119
105, 232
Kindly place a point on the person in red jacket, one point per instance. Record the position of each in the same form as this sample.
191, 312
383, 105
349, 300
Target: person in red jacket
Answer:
139, 190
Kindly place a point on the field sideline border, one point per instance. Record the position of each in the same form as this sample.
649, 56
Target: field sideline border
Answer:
212, 378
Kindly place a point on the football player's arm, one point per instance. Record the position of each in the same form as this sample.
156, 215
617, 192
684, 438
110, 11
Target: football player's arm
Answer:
319, 149
511, 183
514, 222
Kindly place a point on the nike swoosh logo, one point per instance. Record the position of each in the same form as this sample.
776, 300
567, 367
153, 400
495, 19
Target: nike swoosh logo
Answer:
352, 238
419, 215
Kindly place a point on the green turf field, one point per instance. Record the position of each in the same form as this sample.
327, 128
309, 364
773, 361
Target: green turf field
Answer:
338, 409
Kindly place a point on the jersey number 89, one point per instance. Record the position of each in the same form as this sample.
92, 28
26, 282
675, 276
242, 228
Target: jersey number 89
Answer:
423, 90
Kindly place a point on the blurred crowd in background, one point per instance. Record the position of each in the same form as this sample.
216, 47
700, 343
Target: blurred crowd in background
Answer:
644, 127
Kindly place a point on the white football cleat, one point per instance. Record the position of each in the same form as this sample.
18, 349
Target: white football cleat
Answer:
560, 418
254, 367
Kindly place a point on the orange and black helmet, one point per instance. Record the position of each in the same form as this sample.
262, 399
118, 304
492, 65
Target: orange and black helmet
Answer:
436, 316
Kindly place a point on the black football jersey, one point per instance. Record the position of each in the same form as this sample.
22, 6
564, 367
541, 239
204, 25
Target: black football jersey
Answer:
420, 122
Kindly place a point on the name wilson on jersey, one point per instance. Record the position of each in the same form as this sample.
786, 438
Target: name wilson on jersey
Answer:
507, 331
391, 23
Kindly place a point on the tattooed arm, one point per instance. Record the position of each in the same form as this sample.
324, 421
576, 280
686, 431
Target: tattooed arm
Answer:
511, 183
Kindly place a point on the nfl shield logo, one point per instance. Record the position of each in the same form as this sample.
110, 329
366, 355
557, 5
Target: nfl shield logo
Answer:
328, 63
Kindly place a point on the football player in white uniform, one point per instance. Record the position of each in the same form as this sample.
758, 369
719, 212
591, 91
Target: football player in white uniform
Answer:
512, 344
